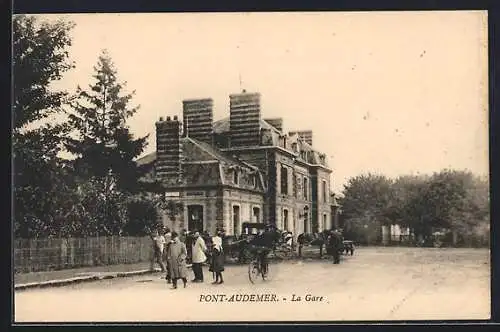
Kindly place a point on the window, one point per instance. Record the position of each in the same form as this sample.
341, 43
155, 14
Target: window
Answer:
256, 214
284, 180
254, 181
296, 186
305, 188
324, 222
285, 219
235, 177
236, 220
325, 197
294, 147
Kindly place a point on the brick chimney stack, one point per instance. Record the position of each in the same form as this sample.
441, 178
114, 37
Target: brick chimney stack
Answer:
198, 119
168, 149
244, 119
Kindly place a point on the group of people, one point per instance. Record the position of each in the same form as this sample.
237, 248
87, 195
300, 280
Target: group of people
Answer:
170, 246
202, 248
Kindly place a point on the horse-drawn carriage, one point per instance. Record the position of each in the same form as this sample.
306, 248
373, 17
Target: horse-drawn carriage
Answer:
238, 246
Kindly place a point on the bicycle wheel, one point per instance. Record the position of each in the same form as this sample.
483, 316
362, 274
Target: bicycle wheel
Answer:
265, 274
253, 271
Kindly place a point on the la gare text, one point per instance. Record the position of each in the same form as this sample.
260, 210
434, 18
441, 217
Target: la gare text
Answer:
266, 297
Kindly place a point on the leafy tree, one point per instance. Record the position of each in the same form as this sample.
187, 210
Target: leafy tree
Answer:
104, 143
40, 57
366, 194
102, 210
365, 204
450, 200
463, 203
142, 217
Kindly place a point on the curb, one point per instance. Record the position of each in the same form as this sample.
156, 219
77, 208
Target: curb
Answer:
76, 280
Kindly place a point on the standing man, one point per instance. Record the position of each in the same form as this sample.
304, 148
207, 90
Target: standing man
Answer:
168, 241
198, 251
301, 241
335, 242
158, 250
177, 254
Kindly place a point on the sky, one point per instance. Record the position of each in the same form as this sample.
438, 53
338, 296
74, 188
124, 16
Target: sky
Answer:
391, 93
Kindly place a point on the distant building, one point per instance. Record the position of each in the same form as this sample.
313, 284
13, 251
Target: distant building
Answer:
240, 169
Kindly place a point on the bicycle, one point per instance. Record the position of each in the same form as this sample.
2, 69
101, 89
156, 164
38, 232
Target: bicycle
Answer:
255, 269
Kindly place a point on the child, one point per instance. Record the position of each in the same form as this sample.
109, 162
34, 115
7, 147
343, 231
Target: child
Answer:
217, 259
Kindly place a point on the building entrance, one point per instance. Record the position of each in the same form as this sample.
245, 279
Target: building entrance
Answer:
195, 218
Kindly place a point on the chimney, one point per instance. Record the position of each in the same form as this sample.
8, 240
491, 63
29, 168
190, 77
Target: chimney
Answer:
244, 119
276, 123
306, 135
168, 149
198, 119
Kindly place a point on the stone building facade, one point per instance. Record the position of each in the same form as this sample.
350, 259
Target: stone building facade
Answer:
239, 169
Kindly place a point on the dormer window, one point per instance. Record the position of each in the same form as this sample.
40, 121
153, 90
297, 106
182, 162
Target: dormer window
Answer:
294, 147
254, 181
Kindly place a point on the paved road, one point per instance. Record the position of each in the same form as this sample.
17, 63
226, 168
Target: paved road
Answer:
374, 284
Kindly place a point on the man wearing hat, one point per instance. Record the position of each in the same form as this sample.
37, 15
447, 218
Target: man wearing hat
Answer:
264, 242
198, 256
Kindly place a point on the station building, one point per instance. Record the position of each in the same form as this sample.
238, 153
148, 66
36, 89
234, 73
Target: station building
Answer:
243, 168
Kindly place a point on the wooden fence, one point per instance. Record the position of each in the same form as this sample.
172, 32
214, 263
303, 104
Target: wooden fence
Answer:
34, 255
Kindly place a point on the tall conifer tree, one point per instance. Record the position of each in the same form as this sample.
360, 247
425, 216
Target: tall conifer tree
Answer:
104, 145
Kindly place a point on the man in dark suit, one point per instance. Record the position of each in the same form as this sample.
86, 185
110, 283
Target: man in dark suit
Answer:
264, 243
335, 244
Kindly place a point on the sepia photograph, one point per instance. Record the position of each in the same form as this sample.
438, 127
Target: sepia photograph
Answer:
250, 167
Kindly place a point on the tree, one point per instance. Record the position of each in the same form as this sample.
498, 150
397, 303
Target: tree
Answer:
448, 200
103, 209
142, 217
40, 57
366, 194
365, 204
459, 201
104, 143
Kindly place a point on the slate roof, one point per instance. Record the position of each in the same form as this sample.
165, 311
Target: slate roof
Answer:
203, 151
222, 126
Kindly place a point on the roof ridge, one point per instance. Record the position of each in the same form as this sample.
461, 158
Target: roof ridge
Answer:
248, 164
207, 148
202, 147
273, 127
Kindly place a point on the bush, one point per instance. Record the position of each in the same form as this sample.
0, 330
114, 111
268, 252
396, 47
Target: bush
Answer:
142, 216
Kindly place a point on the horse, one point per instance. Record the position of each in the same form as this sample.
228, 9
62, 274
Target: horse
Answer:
314, 239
